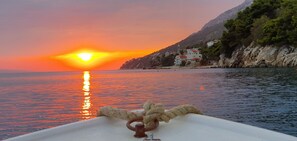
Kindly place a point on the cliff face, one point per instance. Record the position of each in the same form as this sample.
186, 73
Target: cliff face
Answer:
258, 56
212, 30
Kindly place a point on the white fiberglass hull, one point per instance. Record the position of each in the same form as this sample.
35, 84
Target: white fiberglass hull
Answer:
188, 128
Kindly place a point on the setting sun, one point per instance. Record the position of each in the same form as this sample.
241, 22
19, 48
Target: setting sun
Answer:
85, 59
85, 56
89, 59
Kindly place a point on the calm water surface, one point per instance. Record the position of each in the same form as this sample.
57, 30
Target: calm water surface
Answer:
261, 97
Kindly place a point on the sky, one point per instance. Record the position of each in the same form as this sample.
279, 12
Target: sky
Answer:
34, 32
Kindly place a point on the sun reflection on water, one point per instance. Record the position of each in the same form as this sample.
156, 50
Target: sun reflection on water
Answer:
86, 113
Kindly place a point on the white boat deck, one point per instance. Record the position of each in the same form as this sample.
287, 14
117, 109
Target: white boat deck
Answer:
187, 128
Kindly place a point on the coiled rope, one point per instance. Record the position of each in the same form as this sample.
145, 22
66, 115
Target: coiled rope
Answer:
151, 113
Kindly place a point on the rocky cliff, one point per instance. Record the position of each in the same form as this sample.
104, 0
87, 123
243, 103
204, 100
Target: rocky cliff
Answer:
210, 31
258, 56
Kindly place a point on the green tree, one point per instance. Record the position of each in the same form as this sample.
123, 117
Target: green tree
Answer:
211, 53
257, 31
168, 60
183, 63
266, 22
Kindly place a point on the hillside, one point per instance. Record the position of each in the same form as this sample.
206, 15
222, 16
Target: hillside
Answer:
212, 30
262, 35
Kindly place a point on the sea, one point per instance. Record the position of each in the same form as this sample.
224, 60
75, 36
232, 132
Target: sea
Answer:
262, 97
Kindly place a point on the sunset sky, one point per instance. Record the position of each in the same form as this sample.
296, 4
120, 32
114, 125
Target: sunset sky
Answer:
36, 35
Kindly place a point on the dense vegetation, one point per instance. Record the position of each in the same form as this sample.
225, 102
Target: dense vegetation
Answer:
168, 60
211, 53
163, 60
266, 22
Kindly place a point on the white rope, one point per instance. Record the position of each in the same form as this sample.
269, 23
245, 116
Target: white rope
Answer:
150, 114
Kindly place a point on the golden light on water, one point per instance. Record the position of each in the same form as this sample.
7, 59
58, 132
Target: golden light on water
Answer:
86, 113
86, 83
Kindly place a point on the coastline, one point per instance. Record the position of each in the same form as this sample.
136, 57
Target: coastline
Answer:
208, 67
185, 67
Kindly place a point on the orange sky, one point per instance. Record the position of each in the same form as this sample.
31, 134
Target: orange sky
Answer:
33, 32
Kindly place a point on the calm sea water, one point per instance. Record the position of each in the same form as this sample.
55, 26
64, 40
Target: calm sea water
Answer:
265, 98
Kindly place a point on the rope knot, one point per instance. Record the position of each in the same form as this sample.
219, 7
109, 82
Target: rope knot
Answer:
151, 113
150, 117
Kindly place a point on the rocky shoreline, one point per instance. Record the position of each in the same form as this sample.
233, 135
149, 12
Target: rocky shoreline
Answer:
253, 56
258, 56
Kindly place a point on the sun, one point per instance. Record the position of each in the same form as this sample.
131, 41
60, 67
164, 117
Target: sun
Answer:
85, 59
85, 56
